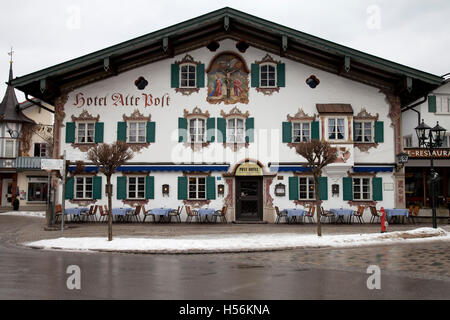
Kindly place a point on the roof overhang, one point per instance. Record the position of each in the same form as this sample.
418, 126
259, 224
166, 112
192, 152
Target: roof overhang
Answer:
407, 83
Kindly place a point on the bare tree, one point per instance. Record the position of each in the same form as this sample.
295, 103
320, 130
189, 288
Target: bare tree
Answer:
318, 155
109, 157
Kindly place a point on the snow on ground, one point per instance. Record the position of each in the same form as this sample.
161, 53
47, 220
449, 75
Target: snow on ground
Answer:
238, 242
39, 214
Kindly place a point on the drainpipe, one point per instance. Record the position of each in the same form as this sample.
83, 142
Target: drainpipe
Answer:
425, 98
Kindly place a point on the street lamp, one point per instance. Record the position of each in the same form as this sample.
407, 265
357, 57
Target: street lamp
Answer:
431, 138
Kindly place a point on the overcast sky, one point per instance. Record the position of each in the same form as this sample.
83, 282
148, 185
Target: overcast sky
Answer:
43, 33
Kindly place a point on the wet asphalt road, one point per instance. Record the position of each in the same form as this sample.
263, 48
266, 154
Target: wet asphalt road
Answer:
418, 271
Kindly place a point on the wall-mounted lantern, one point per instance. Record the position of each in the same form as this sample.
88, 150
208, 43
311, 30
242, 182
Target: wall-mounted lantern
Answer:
280, 190
165, 190
221, 190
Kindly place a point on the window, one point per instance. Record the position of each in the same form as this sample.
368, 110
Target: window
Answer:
361, 189
187, 75
235, 130
306, 188
268, 76
136, 132
336, 129
197, 130
40, 150
83, 188
9, 148
197, 188
444, 105
37, 189
363, 132
407, 142
136, 187
301, 131
446, 141
86, 132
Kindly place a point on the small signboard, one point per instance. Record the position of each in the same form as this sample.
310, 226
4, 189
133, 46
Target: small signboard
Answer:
51, 164
76, 156
249, 169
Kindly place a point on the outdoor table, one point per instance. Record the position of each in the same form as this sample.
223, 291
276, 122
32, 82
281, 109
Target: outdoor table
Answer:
206, 212
395, 213
161, 212
121, 212
294, 213
76, 212
341, 213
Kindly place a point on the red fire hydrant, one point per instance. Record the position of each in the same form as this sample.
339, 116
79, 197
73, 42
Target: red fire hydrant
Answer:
384, 222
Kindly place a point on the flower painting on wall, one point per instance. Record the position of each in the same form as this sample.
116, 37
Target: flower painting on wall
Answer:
227, 79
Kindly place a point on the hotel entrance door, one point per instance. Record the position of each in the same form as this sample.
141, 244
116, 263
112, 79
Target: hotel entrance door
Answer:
249, 199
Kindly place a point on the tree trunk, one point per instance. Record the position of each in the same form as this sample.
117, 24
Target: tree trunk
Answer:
109, 187
316, 191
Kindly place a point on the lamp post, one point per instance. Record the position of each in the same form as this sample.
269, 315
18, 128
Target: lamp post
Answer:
431, 138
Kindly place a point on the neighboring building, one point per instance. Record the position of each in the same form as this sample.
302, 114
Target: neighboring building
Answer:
25, 131
435, 108
213, 108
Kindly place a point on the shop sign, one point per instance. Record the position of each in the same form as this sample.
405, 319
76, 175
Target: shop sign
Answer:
51, 164
425, 154
249, 169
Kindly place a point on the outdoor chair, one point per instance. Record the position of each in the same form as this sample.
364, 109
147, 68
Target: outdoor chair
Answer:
103, 214
413, 213
91, 215
280, 215
58, 212
221, 214
326, 215
176, 214
147, 213
135, 214
375, 215
358, 214
191, 214
310, 214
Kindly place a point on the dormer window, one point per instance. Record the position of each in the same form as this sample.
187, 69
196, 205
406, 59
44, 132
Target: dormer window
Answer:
336, 129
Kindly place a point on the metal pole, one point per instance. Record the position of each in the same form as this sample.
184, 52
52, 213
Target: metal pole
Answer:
433, 179
63, 202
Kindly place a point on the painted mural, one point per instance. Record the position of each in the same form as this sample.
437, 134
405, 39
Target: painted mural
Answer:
227, 80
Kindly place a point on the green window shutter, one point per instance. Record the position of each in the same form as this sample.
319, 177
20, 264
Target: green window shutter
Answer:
255, 75
348, 189
122, 131
354, 131
149, 187
315, 135
281, 75
210, 188
121, 188
70, 132
151, 126
97, 188
287, 132
70, 186
250, 130
211, 130
200, 75
99, 129
221, 130
293, 188
182, 130
377, 187
175, 75
323, 188
432, 104
182, 188
379, 131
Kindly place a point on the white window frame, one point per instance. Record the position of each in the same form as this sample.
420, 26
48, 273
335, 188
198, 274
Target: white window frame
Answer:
86, 132
268, 65
443, 105
363, 129
302, 129
408, 141
188, 78
84, 185
336, 127
233, 132
309, 183
13, 142
198, 136
138, 123
196, 184
370, 193
136, 191
41, 144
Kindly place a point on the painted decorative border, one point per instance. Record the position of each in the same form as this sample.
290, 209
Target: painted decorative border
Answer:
235, 113
299, 116
84, 116
364, 115
196, 113
267, 91
137, 116
187, 91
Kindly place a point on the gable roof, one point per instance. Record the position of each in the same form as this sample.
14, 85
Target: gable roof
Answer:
221, 24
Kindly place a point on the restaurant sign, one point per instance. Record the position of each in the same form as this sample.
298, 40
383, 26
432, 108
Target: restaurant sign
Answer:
417, 153
249, 169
